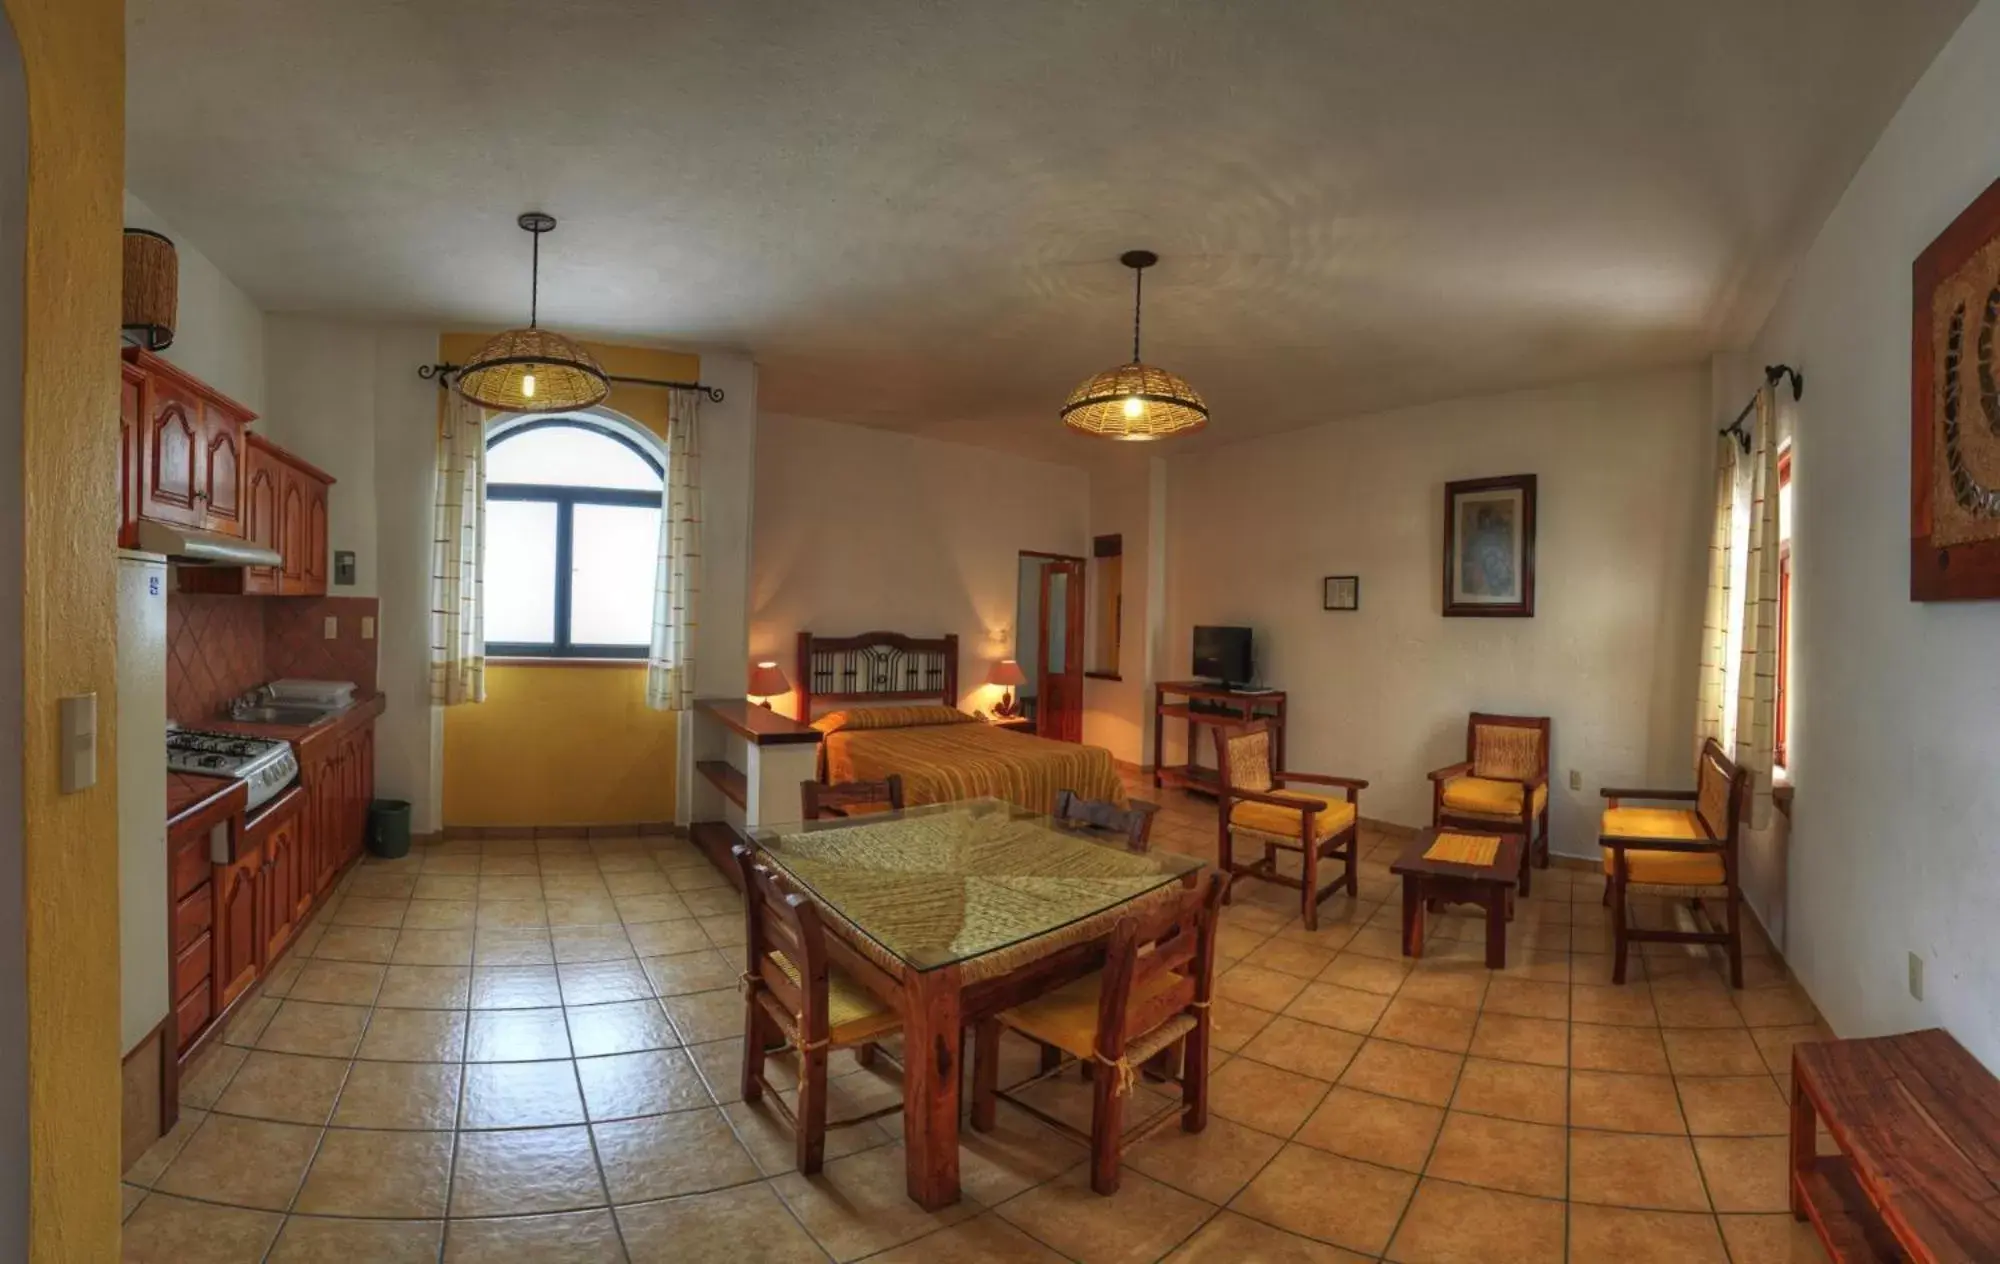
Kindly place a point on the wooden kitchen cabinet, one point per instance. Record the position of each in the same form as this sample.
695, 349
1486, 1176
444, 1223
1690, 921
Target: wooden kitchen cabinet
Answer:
313, 489
189, 457
237, 949
284, 509
263, 523
279, 836
131, 451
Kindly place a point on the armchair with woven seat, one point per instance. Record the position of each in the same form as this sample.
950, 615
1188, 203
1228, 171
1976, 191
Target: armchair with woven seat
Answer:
1677, 853
1150, 1000
1256, 805
1503, 783
795, 995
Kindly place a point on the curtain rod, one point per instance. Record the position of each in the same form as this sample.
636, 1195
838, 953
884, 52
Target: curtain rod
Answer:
1773, 374
441, 373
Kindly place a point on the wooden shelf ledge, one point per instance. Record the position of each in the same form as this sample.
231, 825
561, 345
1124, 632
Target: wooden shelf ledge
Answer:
724, 776
758, 725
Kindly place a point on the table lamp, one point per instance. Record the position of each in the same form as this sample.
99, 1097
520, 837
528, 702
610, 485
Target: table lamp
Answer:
1006, 673
767, 681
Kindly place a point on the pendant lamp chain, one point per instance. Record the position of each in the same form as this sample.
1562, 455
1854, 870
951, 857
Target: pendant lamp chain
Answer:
1138, 296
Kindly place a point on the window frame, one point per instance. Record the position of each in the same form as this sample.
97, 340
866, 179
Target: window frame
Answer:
566, 499
1784, 683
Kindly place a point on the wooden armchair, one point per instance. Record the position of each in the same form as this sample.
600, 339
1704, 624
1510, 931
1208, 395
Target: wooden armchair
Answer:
1134, 824
1256, 806
1503, 784
1678, 853
794, 995
818, 802
1151, 996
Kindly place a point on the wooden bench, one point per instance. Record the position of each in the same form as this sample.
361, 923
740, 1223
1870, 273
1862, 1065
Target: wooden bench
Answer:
1917, 1120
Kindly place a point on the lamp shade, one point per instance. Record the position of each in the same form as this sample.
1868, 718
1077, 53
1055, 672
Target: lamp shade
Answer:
1007, 673
767, 680
152, 288
1135, 401
532, 370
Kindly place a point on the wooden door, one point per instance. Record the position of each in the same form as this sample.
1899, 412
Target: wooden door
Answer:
173, 449
313, 569
131, 452
263, 519
1059, 640
292, 524
238, 943
222, 469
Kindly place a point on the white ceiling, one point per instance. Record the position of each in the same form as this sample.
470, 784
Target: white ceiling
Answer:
911, 212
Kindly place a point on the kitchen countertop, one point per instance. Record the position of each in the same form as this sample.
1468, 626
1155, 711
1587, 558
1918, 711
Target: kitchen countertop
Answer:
364, 706
189, 795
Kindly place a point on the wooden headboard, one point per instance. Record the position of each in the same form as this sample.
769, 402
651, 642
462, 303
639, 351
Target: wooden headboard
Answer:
875, 667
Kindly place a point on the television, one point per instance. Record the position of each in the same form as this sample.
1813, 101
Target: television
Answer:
1222, 654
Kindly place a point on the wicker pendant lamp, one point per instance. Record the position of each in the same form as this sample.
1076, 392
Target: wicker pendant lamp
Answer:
1136, 400
533, 369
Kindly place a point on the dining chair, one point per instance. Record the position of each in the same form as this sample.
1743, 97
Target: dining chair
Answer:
819, 801
1151, 997
1503, 782
1678, 853
1101, 816
793, 995
1256, 805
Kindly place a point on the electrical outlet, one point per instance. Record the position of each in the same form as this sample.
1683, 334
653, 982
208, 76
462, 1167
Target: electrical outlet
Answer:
332, 627
1916, 977
367, 627
1575, 779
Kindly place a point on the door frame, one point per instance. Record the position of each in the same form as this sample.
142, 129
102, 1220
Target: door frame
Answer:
1064, 723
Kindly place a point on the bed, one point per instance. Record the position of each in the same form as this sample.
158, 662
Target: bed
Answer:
886, 703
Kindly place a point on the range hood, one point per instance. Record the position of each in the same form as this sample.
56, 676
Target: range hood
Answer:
185, 544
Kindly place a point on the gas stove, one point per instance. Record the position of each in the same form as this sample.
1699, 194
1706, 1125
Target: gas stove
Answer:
267, 765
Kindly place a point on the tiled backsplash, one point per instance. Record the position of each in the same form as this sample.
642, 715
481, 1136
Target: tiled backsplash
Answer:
220, 647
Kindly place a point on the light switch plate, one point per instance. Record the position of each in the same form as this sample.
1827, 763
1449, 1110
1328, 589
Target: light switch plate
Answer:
1575, 779
332, 627
343, 567
78, 718
367, 627
1916, 977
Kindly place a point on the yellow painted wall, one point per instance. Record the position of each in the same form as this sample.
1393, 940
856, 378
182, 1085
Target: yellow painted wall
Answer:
73, 52
557, 744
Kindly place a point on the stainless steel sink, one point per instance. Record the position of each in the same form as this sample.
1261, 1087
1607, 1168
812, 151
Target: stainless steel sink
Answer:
272, 713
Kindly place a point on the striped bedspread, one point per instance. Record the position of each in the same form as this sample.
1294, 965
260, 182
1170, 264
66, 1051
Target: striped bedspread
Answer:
941, 763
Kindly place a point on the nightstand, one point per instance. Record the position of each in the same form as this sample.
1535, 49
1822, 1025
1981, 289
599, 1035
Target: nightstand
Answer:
1015, 723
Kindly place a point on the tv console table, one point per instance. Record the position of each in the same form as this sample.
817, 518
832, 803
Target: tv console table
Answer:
1213, 706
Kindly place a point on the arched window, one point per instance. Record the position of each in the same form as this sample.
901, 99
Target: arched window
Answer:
572, 539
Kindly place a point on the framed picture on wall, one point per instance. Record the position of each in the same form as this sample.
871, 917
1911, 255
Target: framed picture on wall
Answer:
1489, 547
1341, 592
1954, 410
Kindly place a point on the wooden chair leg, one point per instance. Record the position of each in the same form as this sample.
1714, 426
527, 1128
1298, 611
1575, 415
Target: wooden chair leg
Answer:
985, 1073
1618, 932
1735, 940
1051, 1058
864, 1055
753, 1051
1107, 1127
1527, 856
1194, 1077
1225, 856
811, 1111
1354, 863
1543, 847
1309, 886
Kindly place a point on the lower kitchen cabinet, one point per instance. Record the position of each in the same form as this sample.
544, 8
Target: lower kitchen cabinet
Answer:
277, 837
236, 949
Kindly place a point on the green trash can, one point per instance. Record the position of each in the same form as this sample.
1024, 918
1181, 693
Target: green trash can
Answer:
389, 828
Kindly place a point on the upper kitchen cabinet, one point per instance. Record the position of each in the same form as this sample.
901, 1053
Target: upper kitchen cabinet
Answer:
284, 509
189, 457
263, 514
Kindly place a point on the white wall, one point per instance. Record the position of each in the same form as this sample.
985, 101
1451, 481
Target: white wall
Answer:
1117, 714
219, 331
1895, 841
320, 405
861, 530
1384, 693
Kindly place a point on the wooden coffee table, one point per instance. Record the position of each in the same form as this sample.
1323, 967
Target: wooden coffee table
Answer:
1489, 886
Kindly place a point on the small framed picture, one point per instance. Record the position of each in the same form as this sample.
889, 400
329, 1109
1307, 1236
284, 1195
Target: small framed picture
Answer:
1342, 592
1489, 547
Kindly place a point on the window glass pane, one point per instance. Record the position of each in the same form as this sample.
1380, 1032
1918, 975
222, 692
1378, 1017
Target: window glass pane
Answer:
567, 456
1785, 510
614, 551
521, 571
1058, 620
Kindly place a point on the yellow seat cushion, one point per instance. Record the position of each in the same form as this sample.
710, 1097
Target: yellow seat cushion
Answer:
1648, 823
1497, 800
1067, 1017
1670, 868
1334, 815
853, 1013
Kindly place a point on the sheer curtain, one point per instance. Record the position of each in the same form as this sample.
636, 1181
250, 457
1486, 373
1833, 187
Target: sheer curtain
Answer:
1712, 712
458, 638
670, 667
1757, 671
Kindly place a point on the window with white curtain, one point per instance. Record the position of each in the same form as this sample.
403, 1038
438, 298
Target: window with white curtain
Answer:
572, 540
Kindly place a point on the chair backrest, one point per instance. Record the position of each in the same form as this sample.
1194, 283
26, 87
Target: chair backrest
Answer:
1719, 788
1244, 756
818, 801
1135, 823
778, 918
1177, 939
1507, 747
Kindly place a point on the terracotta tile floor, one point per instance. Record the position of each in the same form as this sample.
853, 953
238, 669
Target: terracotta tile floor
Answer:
522, 1050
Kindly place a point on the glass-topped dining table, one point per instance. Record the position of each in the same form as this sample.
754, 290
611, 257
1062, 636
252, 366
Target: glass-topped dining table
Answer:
954, 911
